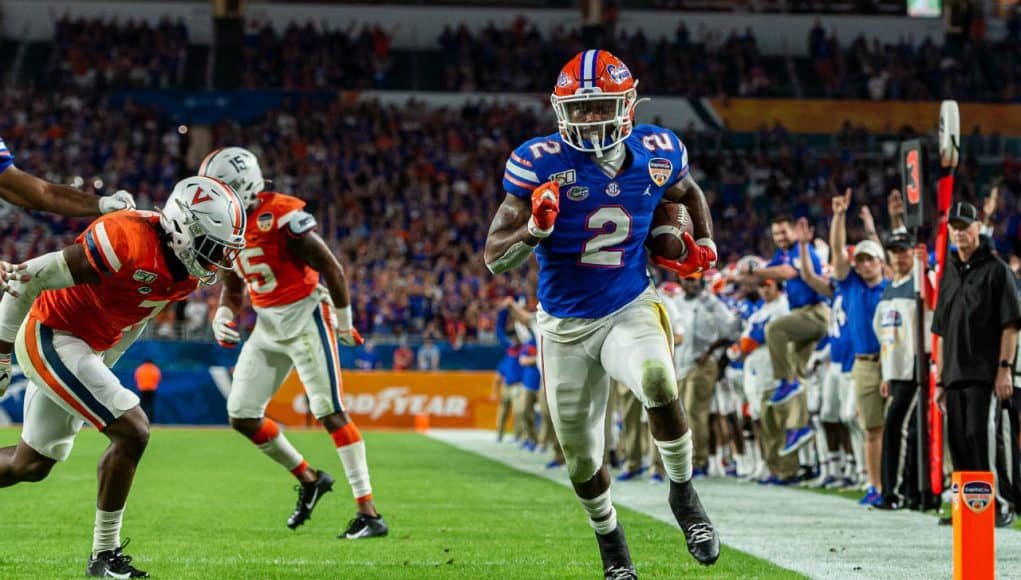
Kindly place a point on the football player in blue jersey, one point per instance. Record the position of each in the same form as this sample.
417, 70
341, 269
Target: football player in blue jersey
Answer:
600, 317
29, 192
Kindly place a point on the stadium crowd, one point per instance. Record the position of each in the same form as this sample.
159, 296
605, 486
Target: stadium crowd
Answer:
702, 62
405, 194
100, 54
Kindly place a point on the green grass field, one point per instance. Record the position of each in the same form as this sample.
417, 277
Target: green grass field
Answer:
206, 504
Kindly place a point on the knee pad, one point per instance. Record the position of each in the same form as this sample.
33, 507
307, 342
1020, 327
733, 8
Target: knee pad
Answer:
659, 386
580, 468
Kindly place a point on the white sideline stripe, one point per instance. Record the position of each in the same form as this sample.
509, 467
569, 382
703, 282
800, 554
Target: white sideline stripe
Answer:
832, 537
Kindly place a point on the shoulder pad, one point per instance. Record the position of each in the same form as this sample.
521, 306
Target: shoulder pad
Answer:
298, 222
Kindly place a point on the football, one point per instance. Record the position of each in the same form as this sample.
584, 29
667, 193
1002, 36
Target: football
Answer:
669, 221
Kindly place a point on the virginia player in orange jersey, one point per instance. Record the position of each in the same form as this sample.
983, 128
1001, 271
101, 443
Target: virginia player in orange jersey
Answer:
299, 326
85, 305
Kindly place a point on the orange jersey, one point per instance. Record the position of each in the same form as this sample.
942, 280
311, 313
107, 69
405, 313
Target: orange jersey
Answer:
135, 283
275, 276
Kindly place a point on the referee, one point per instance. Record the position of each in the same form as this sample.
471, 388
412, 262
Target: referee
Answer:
977, 319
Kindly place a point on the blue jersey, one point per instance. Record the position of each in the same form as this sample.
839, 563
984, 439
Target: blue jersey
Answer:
530, 377
594, 263
6, 157
860, 303
510, 365
841, 351
799, 293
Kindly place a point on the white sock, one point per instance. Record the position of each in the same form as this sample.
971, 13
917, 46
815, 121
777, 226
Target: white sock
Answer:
272, 442
597, 509
351, 449
836, 464
279, 449
676, 456
107, 533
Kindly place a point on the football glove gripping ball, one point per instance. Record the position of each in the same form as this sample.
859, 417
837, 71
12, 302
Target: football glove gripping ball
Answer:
698, 257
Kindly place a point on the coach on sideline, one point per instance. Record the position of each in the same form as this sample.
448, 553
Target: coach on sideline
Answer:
977, 319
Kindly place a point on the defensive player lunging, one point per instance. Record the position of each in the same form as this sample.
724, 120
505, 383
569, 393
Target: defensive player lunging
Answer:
583, 200
299, 326
88, 303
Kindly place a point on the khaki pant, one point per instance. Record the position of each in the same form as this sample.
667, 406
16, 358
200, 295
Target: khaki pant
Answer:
524, 413
696, 390
632, 436
792, 338
867, 376
505, 409
547, 435
776, 420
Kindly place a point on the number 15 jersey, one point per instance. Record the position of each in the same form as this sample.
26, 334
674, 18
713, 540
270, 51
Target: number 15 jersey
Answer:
594, 263
275, 276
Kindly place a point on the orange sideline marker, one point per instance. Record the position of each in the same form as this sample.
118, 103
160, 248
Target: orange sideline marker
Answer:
974, 515
422, 422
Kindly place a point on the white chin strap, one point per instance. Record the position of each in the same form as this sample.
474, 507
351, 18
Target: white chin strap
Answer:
612, 159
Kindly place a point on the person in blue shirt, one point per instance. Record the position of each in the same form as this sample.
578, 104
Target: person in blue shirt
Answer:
508, 375
528, 394
791, 338
582, 200
367, 359
862, 287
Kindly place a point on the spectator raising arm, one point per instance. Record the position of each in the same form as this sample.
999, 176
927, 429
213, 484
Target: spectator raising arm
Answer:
838, 236
895, 207
814, 281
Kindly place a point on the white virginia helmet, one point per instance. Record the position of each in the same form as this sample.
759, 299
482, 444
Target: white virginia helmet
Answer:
206, 223
237, 167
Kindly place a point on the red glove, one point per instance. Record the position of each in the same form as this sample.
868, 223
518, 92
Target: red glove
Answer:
699, 257
545, 207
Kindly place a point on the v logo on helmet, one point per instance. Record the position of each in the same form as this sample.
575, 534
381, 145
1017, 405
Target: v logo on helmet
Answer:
200, 196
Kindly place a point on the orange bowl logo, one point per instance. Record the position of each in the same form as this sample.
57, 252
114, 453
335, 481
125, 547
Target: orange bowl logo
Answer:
977, 495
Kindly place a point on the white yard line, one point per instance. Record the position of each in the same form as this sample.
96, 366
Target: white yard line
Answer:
817, 535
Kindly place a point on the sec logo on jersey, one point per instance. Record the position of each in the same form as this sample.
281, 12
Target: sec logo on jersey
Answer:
612, 189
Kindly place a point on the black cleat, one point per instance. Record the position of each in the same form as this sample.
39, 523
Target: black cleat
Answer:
113, 564
309, 495
699, 533
365, 526
616, 556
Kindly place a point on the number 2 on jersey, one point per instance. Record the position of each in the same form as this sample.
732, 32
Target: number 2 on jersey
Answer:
602, 250
259, 276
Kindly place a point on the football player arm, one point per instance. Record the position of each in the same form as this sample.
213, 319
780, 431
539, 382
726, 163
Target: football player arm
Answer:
312, 250
28, 191
510, 242
52, 271
688, 192
231, 292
